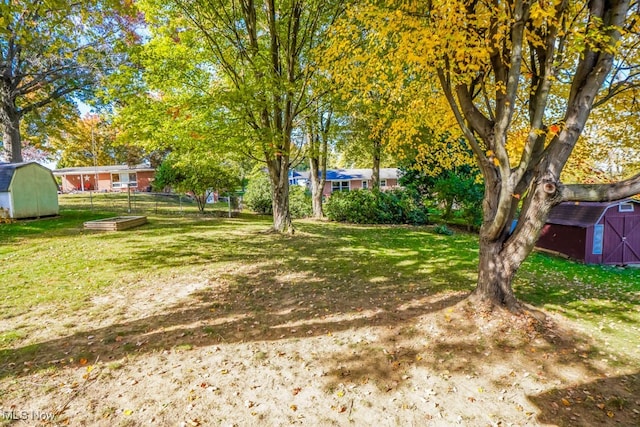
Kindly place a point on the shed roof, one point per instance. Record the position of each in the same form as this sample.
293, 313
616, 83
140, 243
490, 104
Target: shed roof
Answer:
6, 174
581, 214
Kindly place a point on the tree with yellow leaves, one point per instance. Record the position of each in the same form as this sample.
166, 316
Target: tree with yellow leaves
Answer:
521, 78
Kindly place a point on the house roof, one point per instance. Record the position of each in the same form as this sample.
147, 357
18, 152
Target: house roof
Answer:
102, 169
582, 214
351, 174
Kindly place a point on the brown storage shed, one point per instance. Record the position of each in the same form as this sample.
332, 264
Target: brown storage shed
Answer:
594, 233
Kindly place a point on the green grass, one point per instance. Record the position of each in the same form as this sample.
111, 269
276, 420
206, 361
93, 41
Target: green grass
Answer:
56, 263
604, 300
138, 203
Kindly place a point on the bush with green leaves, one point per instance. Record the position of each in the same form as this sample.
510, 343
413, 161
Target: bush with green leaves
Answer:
258, 197
398, 206
461, 195
299, 202
443, 229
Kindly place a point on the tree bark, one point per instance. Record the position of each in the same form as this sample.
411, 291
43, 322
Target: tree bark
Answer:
375, 169
10, 118
535, 179
318, 151
495, 275
317, 178
501, 258
280, 204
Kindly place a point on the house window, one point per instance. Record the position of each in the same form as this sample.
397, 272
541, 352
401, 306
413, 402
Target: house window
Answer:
383, 183
339, 186
625, 207
365, 184
124, 180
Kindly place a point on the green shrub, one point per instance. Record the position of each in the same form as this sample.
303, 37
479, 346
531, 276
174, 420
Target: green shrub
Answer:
258, 197
397, 206
258, 194
443, 229
299, 202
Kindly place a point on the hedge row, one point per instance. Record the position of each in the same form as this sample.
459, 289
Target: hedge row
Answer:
398, 206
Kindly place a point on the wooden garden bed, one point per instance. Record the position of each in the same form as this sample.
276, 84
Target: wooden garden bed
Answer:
117, 223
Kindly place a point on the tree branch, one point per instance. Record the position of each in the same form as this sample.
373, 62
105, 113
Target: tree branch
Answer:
600, 192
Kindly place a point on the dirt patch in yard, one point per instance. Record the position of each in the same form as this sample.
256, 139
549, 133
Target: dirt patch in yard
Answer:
242, 346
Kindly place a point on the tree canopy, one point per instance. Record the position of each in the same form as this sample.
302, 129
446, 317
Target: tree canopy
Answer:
521, 79
55, 52
258, 60
199, 173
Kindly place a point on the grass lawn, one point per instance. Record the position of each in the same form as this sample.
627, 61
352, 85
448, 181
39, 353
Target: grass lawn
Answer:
216, 310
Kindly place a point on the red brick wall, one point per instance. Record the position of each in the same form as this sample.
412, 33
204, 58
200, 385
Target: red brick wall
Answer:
144, 180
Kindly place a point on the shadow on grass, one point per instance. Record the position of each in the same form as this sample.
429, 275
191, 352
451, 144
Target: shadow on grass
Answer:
276, 286
66, 224
255, 307
327, 278
613, 401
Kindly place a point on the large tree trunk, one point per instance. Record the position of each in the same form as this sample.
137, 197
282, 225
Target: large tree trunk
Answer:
279, 175
495, 275
501, 258
11, 133
318, 167
281, 214
375, 169
318, 125
317, 178
485, 123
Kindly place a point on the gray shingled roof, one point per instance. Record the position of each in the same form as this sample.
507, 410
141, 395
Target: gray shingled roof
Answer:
6, 174
99, 169
581, 214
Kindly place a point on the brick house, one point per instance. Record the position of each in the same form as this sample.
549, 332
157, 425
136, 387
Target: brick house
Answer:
106, 178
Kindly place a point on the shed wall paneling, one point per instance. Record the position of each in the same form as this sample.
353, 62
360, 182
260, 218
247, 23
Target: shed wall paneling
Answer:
566, 239
35, 192
5, 202
622, 239
25, 198
632, 234
589, 256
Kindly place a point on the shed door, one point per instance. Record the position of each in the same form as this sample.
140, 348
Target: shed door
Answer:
621, 240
